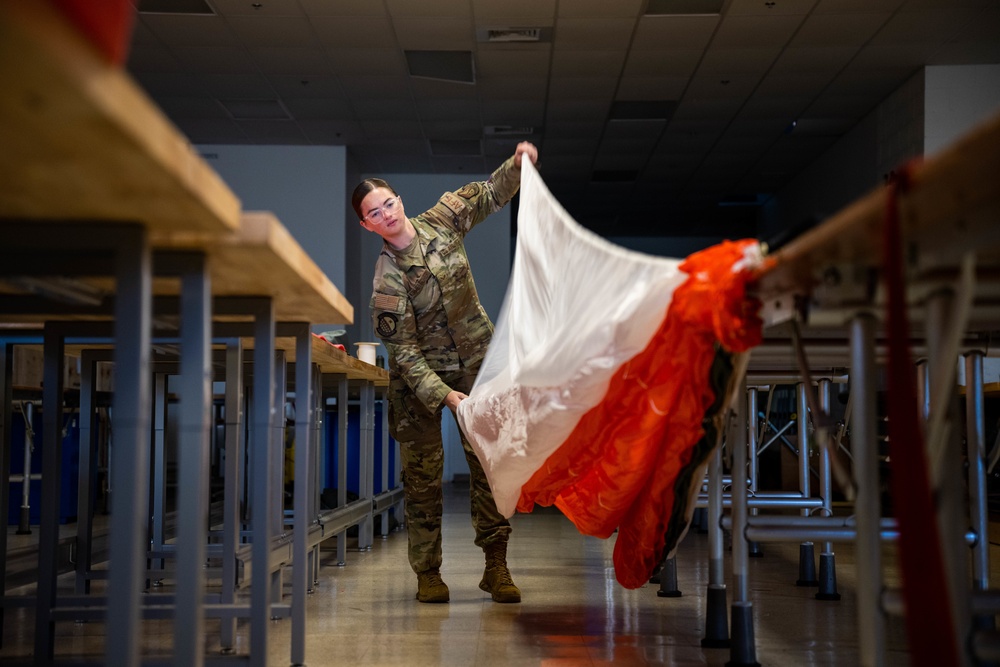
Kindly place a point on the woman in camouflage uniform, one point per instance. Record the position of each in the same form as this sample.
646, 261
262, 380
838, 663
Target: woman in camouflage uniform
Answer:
426, 311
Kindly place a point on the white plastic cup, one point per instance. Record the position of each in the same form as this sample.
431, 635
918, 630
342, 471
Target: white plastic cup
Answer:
366, 352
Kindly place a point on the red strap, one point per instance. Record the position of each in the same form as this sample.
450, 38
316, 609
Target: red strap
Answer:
928, 609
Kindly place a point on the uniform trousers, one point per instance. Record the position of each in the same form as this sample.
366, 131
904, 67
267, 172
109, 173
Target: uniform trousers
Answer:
418, 432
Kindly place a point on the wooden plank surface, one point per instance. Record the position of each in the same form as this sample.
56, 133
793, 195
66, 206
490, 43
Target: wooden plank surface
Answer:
951, 207
331, 359
81, 141
263, 259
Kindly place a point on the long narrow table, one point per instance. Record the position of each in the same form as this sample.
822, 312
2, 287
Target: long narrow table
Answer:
97, 184
830, 282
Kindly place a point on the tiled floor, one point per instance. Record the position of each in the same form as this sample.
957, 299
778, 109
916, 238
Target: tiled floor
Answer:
573, 612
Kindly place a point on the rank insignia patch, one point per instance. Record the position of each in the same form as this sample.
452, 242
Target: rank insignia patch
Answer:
386, 324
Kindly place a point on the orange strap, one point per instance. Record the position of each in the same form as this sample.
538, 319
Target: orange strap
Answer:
928, 609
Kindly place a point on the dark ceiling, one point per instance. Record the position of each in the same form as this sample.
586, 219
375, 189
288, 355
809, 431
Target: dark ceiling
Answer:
652, 117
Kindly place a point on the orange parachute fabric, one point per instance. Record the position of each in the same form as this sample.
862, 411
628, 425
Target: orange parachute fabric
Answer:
601, 373
617, 469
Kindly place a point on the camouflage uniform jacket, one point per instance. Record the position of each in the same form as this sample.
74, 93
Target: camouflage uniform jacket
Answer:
425, 307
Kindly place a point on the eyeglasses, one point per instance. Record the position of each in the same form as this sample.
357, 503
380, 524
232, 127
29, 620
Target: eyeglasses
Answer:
377, 215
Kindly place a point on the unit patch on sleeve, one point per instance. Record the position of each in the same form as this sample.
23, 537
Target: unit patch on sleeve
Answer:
454, 203
386, 324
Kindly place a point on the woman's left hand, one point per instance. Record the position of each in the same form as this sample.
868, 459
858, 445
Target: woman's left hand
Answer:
525, 148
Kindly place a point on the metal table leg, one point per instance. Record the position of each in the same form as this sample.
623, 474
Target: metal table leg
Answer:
871, 623
193, 460
233, 486
261, 516
301, 501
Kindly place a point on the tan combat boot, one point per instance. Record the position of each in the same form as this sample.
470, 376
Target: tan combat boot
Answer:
430, 588
496, 578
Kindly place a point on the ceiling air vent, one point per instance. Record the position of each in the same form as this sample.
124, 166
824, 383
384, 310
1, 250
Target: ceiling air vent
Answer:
507, 131
175, 7
684, 7
514, 35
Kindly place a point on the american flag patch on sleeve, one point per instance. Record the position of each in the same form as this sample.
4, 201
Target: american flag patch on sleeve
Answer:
387, 302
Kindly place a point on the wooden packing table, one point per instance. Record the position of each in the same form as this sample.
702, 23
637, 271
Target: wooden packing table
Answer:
81, 141
829, 280
261, 258
94, 179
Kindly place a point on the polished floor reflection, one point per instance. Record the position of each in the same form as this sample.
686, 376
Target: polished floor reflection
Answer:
573, 612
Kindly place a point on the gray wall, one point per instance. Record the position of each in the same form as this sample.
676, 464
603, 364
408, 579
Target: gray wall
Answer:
302, 185
958, 99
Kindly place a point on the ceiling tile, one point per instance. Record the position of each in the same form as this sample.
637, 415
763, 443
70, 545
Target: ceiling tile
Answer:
448, 109
274, 30
724, 61
254, 8
570, 89
852, 30
291, 60
576, 110
430, 8
142, 35
216, 59
672, 62
376, 87
212, 131
455, 130
445, 90
191, 30
503, 11
305, 85
932, 25
435, 34
192, 107
151, 58
819, 61
305, 108
330, 132
756, 32
247, 86
368, 32
514, 113
787, 85
656, 33
394, 110
857, 6
273, 132
370, 62
567, 63
519, 63
782, 7
651, 87
379, 130
475, 167
595, 33
344, 8
511, 89
600, 8
775, 106
171, 84
721, 87
844, 105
